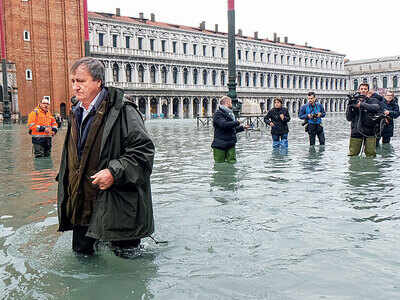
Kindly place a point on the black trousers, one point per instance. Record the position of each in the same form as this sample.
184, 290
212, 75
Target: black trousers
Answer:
316, 130
41, 146
85, 245
385, 140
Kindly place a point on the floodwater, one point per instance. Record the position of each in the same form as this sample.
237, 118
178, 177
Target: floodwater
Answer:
309, 223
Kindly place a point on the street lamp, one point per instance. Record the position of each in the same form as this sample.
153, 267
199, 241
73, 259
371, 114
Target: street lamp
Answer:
232, 58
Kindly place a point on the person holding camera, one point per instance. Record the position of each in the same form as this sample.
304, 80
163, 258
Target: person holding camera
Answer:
364, 115
225, 128
312, 114
391, 111
277, 118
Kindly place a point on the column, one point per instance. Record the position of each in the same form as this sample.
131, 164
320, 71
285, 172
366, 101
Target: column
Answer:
209, 107
122, 75
180, 112
170, 108
159, 106
147, 108
135, 73
190, 108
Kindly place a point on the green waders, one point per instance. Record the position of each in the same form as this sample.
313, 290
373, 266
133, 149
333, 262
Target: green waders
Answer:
221, 156
356, 144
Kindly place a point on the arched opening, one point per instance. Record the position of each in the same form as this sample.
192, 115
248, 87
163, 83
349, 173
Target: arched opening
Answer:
247, 79
175, 75
185, 76
269, 104
164, 108
214, 77
205, 77
175, 107
205, 107
142, 105
355, 85
336, 106
222, 78
293, 107
195, 76
141, 73
214, 105
115, 72
128, 71
196, 104
186, 104
262, 80
152, 74
63, 110
164, 75
275, 81
153, 108
254, 79
239, 79
331, 105
395, 82
326, 105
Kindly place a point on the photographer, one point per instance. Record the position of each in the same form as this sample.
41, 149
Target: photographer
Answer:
312, 113
277, 118
391, 111
364, 114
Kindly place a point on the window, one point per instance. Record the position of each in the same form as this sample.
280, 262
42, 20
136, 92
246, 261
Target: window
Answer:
194, 49
204, 50
175, 75
247, 55
27, 36
288, 81
128, 70
239, 79
261, 57
185, 76
295, 81
222, 52
275, 58
47, 98
184, 48
375, 83
115, 71
153, 74
152, 44
213, 51
247, 79
141, 74
101, 39
255, 79
239, 54
306, 82
282, 81
28, 74
254, 56
195, 76
127, 42
140, 44
115, 39
365, 80
261, 80
269, 80
268, 57
205, 77
275, 81
214, 77
385, 82
282, 57
355, 86
288, 60
164, 75
395, 82
174, 47
222, 78
163, 45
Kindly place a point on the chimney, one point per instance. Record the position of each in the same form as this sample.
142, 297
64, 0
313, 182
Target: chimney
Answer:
141, 16
240, 32
275, 36
152, 17
216, 27
203, 25
286, 39
256, 35
118, 12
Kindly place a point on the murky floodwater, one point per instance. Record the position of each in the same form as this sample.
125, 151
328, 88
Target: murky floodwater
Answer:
311, 223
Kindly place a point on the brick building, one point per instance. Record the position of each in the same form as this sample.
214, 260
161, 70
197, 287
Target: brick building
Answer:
43, 39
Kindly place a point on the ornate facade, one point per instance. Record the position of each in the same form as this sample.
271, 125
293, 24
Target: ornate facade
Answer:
379, 73
179, 71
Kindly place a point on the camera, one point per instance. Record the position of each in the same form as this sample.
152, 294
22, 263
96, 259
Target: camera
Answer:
353, 99
305, 124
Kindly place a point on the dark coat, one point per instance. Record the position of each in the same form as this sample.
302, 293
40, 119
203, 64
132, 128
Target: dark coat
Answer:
124, 211
394, 113
362, 125
225, 130
280, 126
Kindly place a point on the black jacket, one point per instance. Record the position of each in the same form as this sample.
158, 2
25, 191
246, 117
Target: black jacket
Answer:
393, 108
225, 130
280, 126
362, 121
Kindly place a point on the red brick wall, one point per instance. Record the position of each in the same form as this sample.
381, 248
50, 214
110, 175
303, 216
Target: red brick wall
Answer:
57, 40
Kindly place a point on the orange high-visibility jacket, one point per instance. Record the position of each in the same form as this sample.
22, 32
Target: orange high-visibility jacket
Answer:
38, 120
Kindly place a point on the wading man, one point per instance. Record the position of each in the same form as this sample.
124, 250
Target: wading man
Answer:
391, 111
42, 126
225, 128
313, 112
361, 112
104, 178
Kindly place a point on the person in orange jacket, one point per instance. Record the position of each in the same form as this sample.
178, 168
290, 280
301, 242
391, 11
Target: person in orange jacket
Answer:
42, 126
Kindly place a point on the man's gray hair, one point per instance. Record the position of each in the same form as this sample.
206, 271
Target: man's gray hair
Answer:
224, 99
94, 67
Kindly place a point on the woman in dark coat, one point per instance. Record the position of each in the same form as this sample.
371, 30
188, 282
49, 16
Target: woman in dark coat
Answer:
277, 118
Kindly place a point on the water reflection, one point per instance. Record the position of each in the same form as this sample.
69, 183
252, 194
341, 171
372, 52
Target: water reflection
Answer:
224, 176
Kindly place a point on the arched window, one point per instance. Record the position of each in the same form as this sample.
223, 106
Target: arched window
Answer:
288, 81
254, 79
326, 83
375, 83
385, 82
128, 71
294, 81
395, 82
247, 79
222, 78
331, 83
185, 76
306, 82
355, 86
365, 80
195, 76
239, 79
275, 81
205, 77
164, 75
300, 82
153, 74
214, 77
269, 80
261, 80
28, 74
115, 72
141, 74
312, 83
282, 80
175, 75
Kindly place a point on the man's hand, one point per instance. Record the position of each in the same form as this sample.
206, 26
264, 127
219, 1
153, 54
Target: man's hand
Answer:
319, 115
271, 124
282, 116
309, 116
103, 179
358, 104
48, 130
386, 112
246, 127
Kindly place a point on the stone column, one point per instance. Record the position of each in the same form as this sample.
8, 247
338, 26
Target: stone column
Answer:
122, 75
190, 108
170, 108
180, 112
147, 108
146, 74
159, 106
209, 107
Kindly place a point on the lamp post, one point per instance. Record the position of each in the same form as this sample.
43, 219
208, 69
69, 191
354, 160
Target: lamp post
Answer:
6, 107
86, 28
232, 58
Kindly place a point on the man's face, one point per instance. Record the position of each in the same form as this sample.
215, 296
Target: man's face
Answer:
44, 107
311, 99
84, 87
228, 103
389, 97
364, 90
278, 104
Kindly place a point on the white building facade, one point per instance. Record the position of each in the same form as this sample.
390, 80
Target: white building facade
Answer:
178, 71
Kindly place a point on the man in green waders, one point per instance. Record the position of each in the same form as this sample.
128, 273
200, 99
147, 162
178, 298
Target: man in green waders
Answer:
225, 128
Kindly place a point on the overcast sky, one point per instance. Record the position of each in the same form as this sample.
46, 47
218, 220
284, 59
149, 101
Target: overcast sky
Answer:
360, 29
